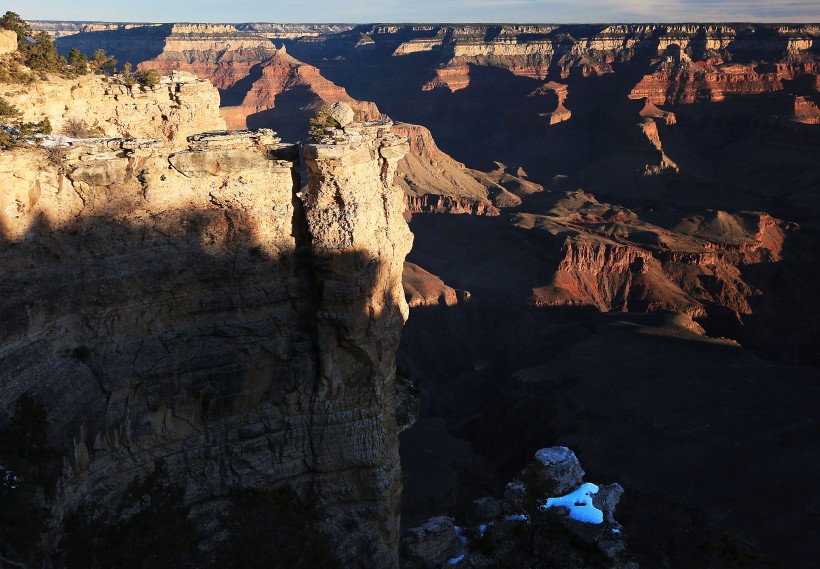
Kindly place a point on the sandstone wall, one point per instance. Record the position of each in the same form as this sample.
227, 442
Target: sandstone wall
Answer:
179, 106
8, 41
190, 308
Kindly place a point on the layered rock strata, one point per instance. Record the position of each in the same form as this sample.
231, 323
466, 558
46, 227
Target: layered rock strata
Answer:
178, 107
278, 77
190, 308
434, 182
612, 260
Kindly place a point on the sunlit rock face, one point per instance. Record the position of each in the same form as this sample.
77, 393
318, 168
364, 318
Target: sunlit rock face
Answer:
179, 106
189, 306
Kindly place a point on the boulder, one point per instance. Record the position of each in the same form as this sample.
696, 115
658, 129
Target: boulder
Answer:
487, 508
432, 543
560, 467
342, 113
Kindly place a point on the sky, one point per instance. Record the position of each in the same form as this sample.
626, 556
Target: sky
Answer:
437, 11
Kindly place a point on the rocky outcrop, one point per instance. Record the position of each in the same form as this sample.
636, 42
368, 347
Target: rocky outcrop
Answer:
564, 519
422, 288
454, 75
220, 53
561, 113
540, 50
268, 30
179, 106
8, 41
651, 111
434, 182
806, 111
190, 308
612, 260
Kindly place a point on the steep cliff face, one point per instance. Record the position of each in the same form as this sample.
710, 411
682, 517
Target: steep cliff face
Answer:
190, 308
537, 51
179, 106
220, 53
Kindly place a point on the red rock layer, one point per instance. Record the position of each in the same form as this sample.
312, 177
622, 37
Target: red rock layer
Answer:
436, 203
651, 111
422, 288
455, 75
612, 260
680, 80
806, 111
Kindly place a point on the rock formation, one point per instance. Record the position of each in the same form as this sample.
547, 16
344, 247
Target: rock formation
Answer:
612, 260
434, 182
549, 493
561, 113
187, 307
274, 83
422, 288
8, 41
179, 106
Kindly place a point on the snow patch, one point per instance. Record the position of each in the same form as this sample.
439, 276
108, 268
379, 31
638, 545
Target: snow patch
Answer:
579, 504
455, 560
460, 535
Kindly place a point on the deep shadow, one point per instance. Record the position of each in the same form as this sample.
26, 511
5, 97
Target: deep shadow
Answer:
290, 116
176, 335
707, 439
235, 94
134, 44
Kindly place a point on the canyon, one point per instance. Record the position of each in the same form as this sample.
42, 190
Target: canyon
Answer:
615, 249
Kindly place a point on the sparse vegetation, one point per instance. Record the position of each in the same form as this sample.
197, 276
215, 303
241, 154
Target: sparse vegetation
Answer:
14, 130
321, 120
126, 76
102, 64
148, 77
78, 61
12, 21
78, 128
40, 55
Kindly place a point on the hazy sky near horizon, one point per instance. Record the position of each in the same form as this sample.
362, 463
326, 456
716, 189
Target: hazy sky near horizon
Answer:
371, 11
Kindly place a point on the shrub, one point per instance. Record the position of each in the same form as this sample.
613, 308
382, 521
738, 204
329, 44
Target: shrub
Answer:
15, 130
78, 128
78, 61
148, 77
127, 78
321, 120
41, 55
103, 64
12, 72
12, 21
